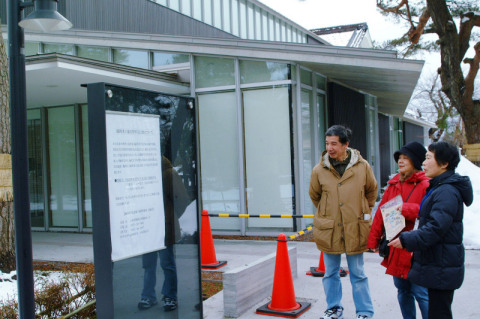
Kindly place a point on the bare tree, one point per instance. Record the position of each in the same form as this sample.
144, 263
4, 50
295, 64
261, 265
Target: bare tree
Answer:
431, 103
7, 234
437, 17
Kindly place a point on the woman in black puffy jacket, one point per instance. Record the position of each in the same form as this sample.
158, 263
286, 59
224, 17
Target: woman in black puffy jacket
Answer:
437, 244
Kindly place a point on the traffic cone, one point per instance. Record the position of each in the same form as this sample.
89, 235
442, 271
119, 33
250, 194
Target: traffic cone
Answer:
283, 303
320, 270
207, 249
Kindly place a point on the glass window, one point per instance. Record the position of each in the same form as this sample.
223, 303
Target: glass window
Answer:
59, 48
243, 19
162, 2
251, 21
262, 71
219, 178
186, 7
226, 16
63, 167
175, 5
258, 24
212, 71
96, 53
31, 48
321, 82
197, 9
268, 161
306, 77
135, 58
87, 192
293, 72
235, 22
207, 11
165, 58
321, 125
307, 148
35, 172
217, 13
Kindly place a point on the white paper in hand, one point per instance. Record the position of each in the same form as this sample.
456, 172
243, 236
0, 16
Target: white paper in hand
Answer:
393, 219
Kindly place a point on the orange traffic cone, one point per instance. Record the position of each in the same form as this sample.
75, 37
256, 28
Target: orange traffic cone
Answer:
283, 302
320, 271
207, 249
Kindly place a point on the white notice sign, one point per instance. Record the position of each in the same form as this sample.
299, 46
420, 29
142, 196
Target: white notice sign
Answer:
137, 216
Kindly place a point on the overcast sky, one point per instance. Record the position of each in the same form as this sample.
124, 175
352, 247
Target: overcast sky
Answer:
312, 14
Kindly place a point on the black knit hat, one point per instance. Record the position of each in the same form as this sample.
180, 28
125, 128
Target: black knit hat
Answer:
415, 151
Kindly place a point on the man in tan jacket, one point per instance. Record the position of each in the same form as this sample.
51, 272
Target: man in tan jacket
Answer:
344, 190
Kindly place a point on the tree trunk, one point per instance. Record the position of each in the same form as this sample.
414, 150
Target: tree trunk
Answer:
451, 75
7, 234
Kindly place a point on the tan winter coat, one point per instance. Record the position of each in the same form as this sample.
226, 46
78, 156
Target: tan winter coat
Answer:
343, 218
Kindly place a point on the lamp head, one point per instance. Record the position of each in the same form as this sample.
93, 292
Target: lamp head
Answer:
45, 18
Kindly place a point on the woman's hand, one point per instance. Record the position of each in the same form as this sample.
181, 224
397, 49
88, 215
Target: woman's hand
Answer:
396, 243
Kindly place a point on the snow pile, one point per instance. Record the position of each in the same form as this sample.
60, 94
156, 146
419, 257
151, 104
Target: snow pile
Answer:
471, 218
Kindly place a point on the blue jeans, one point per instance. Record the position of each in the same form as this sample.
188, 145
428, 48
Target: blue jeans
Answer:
407, 293
167, 262
333, 287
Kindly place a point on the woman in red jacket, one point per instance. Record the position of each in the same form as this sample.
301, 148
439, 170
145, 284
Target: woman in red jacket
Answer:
411, 184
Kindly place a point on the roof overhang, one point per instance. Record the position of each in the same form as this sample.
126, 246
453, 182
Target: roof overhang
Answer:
56, 79
377, 72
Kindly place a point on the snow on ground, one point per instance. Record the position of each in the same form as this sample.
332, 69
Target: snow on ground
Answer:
8, 282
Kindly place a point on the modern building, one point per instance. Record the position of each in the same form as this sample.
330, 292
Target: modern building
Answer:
266, 89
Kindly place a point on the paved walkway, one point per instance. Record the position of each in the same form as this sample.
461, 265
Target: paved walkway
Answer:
78, 248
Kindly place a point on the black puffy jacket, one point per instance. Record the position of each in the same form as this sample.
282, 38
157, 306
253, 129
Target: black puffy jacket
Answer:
437, 244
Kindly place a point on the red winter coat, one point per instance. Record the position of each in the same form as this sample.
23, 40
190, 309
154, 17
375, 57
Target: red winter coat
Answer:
398, 262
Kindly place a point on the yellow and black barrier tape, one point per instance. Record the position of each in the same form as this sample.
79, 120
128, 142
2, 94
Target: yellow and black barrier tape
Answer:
261, 216
300, 233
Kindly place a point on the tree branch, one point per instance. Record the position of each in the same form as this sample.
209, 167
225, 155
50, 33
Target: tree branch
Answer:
415, 32
470, 78
467, 22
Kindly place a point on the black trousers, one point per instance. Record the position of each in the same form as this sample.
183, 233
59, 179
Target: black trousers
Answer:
440, 304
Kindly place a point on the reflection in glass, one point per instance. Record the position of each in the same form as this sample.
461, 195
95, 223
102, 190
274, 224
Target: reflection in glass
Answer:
63, 167
156, 274
95, 53
58, 48
262, 71
306, 77
35, 173
31, 48
135, 58
213, 71
164, 58
86, 191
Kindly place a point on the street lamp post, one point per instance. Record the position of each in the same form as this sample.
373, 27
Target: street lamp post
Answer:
18, 118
